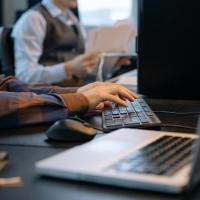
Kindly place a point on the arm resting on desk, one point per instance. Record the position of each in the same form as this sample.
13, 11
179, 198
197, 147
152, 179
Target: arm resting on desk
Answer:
12, 84
22, 104
19, 109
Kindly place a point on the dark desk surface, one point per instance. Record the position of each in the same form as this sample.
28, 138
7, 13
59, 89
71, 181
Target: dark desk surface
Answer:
28, 145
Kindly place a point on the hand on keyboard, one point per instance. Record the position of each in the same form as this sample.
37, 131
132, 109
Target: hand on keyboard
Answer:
99, 93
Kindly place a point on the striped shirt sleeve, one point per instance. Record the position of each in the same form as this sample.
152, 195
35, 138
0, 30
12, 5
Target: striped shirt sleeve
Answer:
22, 105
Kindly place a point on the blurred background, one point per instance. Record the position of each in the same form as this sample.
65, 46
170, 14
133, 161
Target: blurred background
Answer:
92, 13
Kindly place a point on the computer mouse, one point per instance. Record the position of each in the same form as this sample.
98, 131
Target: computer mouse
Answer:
71, 131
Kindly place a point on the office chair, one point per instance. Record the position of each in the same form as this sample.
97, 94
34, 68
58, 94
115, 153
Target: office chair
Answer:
6, 52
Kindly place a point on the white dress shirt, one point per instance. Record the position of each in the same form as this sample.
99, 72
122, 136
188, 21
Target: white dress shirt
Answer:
29, 34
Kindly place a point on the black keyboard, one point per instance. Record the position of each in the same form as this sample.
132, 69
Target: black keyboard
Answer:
137, 115
165, 156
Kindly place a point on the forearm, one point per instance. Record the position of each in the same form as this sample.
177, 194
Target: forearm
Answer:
20, 109
11, 84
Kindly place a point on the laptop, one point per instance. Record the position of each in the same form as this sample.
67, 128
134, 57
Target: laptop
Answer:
138, 159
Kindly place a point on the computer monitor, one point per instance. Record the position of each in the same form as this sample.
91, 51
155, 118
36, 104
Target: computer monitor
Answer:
1, 13
168, 49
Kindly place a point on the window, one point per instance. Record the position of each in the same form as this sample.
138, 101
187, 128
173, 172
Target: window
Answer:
104, 12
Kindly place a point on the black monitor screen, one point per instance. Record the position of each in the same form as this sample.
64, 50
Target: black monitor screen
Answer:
168, 48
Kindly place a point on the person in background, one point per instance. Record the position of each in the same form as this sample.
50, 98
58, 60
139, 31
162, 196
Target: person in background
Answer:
22, 104
49, 44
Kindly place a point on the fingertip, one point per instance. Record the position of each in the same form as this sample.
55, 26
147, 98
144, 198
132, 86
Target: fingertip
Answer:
125, 104
133, 99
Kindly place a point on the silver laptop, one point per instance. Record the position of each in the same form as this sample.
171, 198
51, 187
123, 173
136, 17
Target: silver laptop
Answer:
139, 159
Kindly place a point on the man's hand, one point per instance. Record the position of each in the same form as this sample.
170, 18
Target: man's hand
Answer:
124, 61
82, 65
90, 86
99, 94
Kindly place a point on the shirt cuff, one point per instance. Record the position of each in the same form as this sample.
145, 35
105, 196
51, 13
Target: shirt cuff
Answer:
58, 72
76, 103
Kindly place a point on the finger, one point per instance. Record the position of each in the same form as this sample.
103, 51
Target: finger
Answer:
129, 91
124, 61
121, 91
125, 94
132, 94
122, 98
124, 88
100, 106
91, 55
117, 100
107, 104
91, 63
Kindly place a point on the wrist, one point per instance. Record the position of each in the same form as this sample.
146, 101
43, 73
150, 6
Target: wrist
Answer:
91, 98
76, 103
68, 70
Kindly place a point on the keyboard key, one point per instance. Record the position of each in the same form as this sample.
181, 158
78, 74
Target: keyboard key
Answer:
134, 120
147, 109
107, 112
117, 121
116, 117
141, 114
122, 108
140, 100
132, 115
109, 122
130, 109
149, 113
115, 112
108, 117
144, 120
123, 112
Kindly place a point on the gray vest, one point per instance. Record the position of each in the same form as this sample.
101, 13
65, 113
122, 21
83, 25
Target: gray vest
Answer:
61, 42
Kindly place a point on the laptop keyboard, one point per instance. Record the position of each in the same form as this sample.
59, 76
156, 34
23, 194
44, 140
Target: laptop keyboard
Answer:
165, 156
137, 115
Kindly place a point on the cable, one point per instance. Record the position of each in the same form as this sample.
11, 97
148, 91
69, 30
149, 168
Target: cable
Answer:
178, 126
86, 123
178, 113
163, 125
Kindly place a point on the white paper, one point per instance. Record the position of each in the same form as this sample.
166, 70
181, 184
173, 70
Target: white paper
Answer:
111, 39
127, 80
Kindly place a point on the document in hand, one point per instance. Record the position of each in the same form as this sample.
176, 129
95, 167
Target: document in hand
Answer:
113, 39
113, 42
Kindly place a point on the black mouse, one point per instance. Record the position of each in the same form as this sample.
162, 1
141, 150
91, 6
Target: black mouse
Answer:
71, 131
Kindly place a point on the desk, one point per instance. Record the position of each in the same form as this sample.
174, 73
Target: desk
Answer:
28, 145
